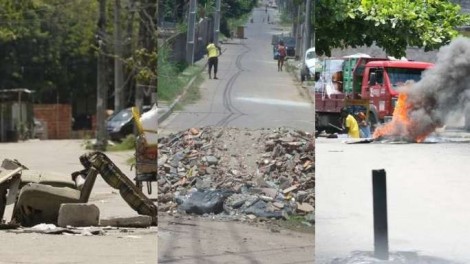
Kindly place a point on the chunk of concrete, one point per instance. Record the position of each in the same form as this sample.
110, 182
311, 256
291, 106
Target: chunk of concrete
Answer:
133, 221
305, 207
78, 214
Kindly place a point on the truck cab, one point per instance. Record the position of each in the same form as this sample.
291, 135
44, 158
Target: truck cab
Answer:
362, 84
381, 83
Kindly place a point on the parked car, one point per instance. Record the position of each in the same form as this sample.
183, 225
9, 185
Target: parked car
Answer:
310, 63
289, 43
121, 124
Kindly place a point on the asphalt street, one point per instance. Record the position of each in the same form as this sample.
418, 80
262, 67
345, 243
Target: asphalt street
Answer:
124, 245
250, 93
427, 187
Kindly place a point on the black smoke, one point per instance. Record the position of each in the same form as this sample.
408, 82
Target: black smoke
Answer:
444, 90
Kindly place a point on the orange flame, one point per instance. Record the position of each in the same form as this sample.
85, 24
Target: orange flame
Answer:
401, 125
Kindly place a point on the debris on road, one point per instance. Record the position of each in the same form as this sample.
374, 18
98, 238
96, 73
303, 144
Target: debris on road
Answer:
43, 199
242, 173
140, 221
52, 229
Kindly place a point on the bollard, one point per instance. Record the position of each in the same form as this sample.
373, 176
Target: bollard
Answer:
379, 190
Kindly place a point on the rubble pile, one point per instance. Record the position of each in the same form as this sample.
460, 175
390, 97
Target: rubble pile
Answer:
239, 172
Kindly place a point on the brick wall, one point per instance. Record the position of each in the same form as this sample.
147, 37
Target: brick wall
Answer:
57, 118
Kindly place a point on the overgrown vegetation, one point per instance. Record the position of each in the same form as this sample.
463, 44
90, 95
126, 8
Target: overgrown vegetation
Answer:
173, 77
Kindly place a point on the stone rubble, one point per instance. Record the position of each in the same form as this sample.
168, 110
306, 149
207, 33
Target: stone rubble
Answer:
270, 173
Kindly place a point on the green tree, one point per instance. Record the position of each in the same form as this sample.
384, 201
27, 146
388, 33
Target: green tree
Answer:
46, 47
391, 24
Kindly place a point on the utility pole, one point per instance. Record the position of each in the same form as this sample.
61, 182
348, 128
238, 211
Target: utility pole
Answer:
314, 44
102, 89
297, 31
191, 32
217, 22
154, 94
118, 74
307, 39
147, 41
313, 25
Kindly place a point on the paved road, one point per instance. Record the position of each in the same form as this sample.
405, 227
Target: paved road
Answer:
189, 240
427, 197
62, 156
250, 93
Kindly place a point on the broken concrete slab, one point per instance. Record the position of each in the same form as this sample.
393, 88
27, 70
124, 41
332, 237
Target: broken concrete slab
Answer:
78, 214
305, 207
278, 205
290, 189
140, 221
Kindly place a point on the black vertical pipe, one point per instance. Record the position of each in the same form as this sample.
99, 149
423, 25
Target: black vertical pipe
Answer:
379, 186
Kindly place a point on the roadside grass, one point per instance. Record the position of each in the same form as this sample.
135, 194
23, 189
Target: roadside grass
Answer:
193, 94
171, 82
127, 143
297, 223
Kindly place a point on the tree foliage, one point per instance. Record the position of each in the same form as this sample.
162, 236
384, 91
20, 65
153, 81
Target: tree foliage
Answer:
46, 46
50, 46
391, 24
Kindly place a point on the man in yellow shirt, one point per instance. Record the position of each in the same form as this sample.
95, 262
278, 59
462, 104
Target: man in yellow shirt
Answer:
350, 125
213, 53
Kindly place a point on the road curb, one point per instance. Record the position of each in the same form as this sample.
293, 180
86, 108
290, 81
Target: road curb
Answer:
304, 90
165, 115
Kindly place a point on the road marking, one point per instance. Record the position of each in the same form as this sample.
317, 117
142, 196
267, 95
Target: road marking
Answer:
274, 101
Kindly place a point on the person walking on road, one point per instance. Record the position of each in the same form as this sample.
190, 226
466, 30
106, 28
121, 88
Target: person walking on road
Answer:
213, 53
281, 50
350, 125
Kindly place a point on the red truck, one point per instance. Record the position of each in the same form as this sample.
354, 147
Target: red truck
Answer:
362, 84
